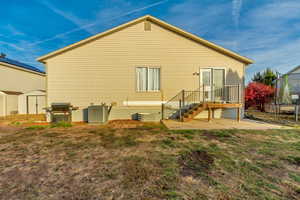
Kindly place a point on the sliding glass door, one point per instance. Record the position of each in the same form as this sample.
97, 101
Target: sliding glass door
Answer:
212, 81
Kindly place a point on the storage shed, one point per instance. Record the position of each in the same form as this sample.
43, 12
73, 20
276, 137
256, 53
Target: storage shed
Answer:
32, 102
8, 102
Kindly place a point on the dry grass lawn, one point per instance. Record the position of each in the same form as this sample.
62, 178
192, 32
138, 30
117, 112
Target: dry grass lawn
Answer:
146, 161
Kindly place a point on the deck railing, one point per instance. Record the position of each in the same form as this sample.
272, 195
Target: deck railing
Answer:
185, 99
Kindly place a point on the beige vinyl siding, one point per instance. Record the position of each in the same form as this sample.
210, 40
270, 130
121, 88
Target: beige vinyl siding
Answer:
18, 80
104, 70
2, 105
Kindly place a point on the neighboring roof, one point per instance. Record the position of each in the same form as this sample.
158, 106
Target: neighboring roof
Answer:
21, 65
293, 70
11, 92
156, 21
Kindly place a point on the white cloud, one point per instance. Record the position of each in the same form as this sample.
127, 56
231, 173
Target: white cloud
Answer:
198, 17
270, 36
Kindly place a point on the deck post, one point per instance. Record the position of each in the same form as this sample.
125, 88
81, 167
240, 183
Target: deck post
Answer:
209, 114
183, 96
180, 114
238, 117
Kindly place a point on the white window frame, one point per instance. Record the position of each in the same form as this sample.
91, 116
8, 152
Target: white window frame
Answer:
147, 89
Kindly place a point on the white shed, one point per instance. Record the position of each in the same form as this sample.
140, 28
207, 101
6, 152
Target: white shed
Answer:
32, 102
9, 102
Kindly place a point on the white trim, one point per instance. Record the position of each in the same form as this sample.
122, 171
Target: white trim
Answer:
143, 103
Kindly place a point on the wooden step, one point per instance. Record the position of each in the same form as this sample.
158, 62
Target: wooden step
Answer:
190, 114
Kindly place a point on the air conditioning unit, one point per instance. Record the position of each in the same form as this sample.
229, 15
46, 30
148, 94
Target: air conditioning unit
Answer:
98, 113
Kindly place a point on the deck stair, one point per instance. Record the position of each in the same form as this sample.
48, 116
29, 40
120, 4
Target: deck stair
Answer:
193, 112
186, 105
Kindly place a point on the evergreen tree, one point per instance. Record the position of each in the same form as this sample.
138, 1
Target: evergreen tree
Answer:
268, 77
257, 77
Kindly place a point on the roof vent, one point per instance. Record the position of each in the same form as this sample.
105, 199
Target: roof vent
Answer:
147, 26
2, 55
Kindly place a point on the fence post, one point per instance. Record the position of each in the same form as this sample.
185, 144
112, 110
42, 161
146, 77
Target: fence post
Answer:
296, 112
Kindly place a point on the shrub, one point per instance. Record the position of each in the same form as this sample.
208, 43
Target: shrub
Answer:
257, 94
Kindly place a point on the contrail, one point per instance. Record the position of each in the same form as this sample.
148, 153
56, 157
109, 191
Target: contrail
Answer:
236, 9
95, 23
67, 16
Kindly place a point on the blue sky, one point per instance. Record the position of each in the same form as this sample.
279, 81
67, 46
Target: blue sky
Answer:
266, 31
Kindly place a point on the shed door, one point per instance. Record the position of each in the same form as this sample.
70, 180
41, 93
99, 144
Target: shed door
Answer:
41, 104
31, 105
35, 104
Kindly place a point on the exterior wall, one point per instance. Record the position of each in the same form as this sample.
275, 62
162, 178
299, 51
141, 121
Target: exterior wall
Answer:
22, 102
11, 104
20, 81
104, 70
2, 105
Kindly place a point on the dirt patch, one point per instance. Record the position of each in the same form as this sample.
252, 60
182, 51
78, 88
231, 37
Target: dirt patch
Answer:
124, 124
195, 163
209, 136
7, 130
19, 117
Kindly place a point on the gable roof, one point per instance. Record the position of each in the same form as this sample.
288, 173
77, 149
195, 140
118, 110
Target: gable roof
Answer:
160, 23
20, 65
293, 70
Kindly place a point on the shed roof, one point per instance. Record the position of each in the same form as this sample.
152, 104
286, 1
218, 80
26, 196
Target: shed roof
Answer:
11, 92
160, 23
20, 64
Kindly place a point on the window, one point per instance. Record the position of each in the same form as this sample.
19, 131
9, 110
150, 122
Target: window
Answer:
147, 79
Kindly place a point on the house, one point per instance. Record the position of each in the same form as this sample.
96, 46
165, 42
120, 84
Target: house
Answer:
19, 79
288, 87
141, 64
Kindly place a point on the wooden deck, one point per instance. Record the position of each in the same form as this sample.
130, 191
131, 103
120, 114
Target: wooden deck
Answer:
211, 107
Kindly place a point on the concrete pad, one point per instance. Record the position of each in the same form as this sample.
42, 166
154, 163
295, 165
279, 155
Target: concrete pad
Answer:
221, 124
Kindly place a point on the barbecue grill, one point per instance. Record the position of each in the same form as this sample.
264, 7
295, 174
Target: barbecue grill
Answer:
61, 112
